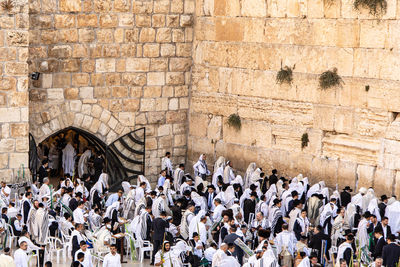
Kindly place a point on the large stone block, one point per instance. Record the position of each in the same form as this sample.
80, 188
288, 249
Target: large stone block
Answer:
229, 29
70, 5
253, 8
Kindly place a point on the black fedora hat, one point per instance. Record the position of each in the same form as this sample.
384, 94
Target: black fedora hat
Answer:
348, 188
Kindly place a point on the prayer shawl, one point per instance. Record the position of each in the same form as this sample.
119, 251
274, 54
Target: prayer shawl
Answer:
198, 227
327, 213
140, 206
178, 174
229, 196
349, 215
295, 185
166, 256
184, 226
200, 168
249, 172
44, 191
166, 164
141, 179
40, 226
68, 159
126, 186
142, 225
159, 205
267, 260
304, 224
373, 208
358, 201
99, 186
370, 195
314, 203
305, 262
339, 225
199, 201
342, 248
218, 170
393, 213
218, 257
110, 209
83, 162
245, 195
279, 187
271, 192
229, 261
276, 213
286, 240
128, 208
262, 206
362, 234
238, 180
255, 176
315, 189
229, 176
293, 215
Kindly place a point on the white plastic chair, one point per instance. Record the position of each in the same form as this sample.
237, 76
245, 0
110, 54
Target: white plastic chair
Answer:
65, 239
11, 236
143, 246
55, 246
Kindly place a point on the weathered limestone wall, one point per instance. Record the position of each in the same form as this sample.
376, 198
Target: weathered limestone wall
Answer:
111, 66
14, 25
354, 133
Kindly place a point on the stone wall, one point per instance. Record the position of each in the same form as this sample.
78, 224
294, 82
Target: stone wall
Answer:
14, 142
353, 130
111, 66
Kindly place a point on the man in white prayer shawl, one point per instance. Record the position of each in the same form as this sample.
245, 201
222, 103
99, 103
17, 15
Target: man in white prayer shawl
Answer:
159, 205
178, 175
20, 257
358, 198
285, 243
166, 163
197, 225
219, 167
393, 213
44, 189
185, 221
68, 159
139, 194
164, 256
249, 172
200, 167
141, 179
220, 255
229, 175
362, 234
83, 162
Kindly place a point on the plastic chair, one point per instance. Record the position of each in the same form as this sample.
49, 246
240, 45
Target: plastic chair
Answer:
143, 246
55, 245
11, 237
65, 239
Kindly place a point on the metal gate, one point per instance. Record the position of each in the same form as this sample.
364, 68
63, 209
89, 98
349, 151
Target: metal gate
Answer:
125, 157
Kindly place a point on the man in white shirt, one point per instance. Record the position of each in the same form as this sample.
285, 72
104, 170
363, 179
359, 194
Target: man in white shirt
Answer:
187, 185
140, 191
219, 208
18, 225
166, 163
112, 259
5, 191
20, 256
44, 189
78, 214
87, 262
25, 238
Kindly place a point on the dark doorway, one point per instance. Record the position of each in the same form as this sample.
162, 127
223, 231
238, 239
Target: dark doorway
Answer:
124, 159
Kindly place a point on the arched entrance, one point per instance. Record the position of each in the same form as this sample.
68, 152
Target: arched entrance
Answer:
124, 157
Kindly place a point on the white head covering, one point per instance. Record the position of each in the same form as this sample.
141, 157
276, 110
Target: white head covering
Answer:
115, 205
249, 172
363, 190
193, 226
229, 196
238, 180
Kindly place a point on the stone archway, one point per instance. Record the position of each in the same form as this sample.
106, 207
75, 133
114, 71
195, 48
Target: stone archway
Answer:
92, 118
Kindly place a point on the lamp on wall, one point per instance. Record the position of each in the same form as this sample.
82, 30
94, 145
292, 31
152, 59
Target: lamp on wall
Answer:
34, 76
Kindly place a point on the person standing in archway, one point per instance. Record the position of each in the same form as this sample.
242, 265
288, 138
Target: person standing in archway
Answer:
83, 162
98, 165
68, 159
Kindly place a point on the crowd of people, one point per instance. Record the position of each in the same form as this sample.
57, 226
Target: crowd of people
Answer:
205, 218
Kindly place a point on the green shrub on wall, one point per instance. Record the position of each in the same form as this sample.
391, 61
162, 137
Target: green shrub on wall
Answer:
330, 79
375, 7
234, 121
304, 140
285, 75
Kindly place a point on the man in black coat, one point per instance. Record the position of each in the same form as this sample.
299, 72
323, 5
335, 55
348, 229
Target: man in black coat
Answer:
231, 239
379, 244
345, 196
391, 252
26, 206
273, 179
43, 170
159, 226
382, 205
316, 240
73, 203
384, 227
249, 206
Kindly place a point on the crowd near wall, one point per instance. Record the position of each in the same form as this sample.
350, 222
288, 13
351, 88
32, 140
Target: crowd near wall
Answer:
182, 67
353, 130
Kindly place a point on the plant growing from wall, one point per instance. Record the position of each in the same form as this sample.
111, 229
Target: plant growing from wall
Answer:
285, 75
329, 79
7, 5
375, 7
304, 140
235, 121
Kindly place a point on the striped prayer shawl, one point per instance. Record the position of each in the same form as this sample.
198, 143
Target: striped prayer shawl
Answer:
276, 215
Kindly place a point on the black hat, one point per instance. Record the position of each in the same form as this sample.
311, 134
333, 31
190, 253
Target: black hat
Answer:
384, 197
348, 188
276, 201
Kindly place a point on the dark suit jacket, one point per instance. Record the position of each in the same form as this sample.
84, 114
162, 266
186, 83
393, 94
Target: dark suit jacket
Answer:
379, 247
159, 225
42, 174
390, 255
73, 204
238, 251
345, 198
249, 206
380, 228
382, 209
207, 195
26, 209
